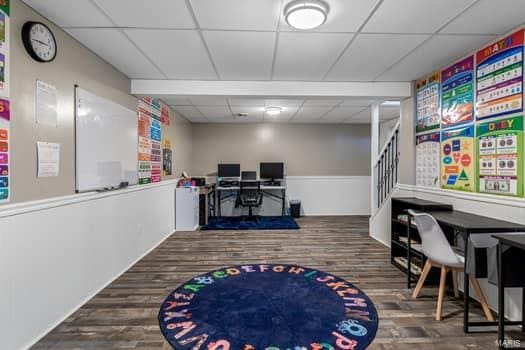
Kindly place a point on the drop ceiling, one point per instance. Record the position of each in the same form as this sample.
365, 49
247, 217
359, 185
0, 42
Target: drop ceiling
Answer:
362, 41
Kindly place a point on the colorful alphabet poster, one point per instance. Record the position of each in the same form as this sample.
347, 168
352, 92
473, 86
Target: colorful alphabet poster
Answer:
457, 158
457, 93
500, 77
144, 148
428, 114
500, 154
427, 159
5, 161
150, 136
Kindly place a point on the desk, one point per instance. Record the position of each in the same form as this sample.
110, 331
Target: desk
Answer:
264, 189
465, 224
511, 251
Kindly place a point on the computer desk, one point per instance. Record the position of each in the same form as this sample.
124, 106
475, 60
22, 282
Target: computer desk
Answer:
264, 189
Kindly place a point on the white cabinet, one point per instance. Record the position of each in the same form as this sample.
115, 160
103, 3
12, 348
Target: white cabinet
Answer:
187, 208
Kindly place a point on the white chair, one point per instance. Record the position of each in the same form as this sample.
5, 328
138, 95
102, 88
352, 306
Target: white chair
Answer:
439, 254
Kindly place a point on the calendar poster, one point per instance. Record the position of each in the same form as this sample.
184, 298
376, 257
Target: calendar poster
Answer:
457, 93
457, 158
500, 77
427, 159
500, 155
428, 114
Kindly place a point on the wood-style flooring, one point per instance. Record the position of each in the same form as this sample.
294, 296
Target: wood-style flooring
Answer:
124, 315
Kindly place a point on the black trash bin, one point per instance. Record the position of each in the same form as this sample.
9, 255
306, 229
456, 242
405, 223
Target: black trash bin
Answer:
295, 208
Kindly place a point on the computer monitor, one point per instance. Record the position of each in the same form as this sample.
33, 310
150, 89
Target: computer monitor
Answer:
229, 170
249, 175
271, 171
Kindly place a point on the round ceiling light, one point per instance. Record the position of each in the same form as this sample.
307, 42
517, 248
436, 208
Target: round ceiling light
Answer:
273, 111
309, 14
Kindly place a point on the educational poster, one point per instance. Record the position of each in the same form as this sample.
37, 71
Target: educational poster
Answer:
5, 161
150, 136
165, 114
457, 93
500, 77
427, 159
144, 148
156, 151
167, 158
457, 158
500, 154
428, 115
4, 48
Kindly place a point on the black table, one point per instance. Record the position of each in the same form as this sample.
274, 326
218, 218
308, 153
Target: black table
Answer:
511, 251
464, 224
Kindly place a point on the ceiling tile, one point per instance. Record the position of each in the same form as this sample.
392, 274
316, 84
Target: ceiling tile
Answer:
115, 48
253, 112
489, 17
343, 16
179, 53
215, 112
307, 56
148, 14
414, 16
209, 101
283, 102
237, 14
176, 101
356, 102
78, 13
434, 54
366, 57
342, 113
241, 55
247, 102
363, 117
386, 112
322, 102
189, 112
309, 113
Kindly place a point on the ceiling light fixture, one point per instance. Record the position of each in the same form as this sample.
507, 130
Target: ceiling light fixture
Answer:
309, 14
273, 111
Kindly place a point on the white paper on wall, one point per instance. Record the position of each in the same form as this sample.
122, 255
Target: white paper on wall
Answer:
48, 155
46, 104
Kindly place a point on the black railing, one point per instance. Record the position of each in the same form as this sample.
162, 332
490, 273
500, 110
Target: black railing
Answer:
386, 169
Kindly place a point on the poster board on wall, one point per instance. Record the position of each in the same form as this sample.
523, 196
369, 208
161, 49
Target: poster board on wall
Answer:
5, 145
457, 93
427, 159
428, 114
499, 73
500, 155
457, 158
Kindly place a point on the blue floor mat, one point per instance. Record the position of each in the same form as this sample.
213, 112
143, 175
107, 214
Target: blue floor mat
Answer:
255, 223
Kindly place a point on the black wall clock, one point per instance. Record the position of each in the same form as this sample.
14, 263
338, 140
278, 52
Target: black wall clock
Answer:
39, 41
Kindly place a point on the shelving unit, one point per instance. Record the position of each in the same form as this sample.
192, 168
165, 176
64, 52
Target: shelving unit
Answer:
406, 252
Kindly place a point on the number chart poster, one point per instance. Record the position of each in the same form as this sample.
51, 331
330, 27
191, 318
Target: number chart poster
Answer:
500, 77
150, 136
4, 151
427, 159
500, 154
457, 163
428, 103
457, 93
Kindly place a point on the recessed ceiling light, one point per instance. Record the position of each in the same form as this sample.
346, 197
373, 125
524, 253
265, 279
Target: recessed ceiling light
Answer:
391, 103
309, 14
273, 111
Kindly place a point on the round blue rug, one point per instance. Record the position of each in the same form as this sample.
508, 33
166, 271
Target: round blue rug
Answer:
268, 307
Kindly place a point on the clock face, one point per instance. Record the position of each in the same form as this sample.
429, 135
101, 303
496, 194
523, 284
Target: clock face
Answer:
39, 41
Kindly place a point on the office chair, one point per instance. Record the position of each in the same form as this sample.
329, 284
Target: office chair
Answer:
251, 195
440, 254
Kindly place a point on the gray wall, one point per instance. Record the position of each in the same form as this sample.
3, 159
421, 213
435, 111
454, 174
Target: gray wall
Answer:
74, 64
306, 149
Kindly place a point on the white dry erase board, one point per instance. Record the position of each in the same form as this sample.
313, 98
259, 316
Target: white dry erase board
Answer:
106, 143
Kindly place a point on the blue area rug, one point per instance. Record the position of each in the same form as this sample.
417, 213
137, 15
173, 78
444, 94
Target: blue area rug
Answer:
255, 223
268, 307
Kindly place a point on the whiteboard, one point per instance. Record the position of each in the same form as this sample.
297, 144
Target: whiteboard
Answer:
106, 143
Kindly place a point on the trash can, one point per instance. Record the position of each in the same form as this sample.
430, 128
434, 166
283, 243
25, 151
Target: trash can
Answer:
295, 208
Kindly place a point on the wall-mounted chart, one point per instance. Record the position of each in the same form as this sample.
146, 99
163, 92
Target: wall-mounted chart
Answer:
427, 159
150, 136
428, 103
500, 77
500, 154
457, 158
4, 151
457, 93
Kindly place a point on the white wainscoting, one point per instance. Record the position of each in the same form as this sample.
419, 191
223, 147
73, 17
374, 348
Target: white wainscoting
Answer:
56, 254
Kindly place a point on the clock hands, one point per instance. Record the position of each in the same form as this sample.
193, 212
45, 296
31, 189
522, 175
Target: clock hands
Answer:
41, 42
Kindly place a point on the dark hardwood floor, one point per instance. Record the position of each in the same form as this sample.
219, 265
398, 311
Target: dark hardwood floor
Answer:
124, 315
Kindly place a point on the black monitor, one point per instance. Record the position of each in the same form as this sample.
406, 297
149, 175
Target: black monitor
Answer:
271, 171
249, 175
229, 170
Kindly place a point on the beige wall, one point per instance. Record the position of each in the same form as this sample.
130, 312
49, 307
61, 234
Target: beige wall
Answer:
74, 64
307, 150
407, 148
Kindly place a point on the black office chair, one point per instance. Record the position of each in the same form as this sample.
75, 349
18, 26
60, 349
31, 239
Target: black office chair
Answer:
251, 195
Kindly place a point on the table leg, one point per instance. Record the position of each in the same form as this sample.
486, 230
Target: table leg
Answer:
501, 300
466, 286
283, 200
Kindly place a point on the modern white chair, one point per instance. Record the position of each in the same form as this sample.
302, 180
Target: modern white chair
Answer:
439, 254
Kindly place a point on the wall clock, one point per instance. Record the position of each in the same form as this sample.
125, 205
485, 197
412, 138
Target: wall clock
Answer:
39, 41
